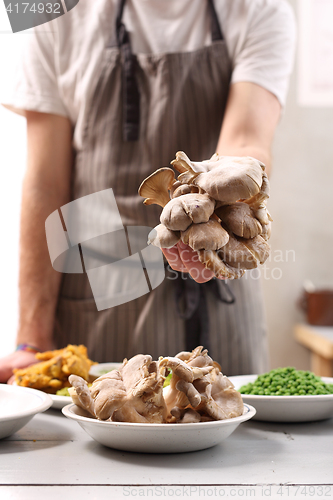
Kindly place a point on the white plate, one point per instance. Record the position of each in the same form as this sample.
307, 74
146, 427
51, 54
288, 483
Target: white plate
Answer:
18, 405
58, 402
157, 438
287, 408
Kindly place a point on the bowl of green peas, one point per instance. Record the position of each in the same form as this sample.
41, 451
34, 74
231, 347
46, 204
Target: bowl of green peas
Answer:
287, 395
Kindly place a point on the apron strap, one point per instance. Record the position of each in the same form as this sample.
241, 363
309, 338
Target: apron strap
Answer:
191, 305
215, 24
131, 95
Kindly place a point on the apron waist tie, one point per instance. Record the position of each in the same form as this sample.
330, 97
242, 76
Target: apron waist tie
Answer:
191, 305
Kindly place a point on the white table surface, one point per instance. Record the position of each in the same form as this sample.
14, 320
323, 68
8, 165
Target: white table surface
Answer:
52, 458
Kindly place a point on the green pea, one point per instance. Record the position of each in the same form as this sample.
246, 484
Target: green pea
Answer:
287, 381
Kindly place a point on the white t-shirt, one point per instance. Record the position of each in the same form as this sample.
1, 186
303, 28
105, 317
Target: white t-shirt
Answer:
61, 59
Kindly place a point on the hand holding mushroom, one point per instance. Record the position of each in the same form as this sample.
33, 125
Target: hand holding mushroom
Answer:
217, 207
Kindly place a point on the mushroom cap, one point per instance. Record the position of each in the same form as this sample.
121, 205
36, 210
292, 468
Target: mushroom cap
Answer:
180, 212
205, 236
239, 218
232, 181
155, 187
162, 237
223, 400
183, 164
263, 194
184, 189
237, 255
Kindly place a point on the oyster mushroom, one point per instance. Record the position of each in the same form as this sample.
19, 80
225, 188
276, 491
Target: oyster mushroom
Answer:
184, 189
236, 254
163, 237
180, 212
220, 400
81, 394
183, 164
198, 391
226, 178
214, 263
240, 219
205, 236
218, 205
156, 187
185, 416
263, 194
134, 393
212, 396
259, 247
182, 371
230, 183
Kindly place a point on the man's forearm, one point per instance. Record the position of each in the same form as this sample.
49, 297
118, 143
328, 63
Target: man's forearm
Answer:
46, 188
250, 120
38, 282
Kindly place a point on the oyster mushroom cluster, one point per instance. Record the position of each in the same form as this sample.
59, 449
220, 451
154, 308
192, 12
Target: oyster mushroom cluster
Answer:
198, 391
217, 207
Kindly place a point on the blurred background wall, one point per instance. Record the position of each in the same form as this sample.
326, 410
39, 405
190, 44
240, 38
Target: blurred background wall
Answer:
301, 205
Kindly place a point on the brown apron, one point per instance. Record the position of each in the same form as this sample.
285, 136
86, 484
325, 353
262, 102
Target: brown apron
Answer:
143, 109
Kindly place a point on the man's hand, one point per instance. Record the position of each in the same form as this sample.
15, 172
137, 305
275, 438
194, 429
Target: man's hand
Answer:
182, 258
18, 359
251, 116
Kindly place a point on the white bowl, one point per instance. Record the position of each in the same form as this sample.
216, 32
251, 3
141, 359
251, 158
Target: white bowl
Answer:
18, 405
157, 438
102, 368
287, 408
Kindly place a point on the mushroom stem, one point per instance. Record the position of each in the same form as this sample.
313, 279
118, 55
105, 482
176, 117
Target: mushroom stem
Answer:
211, 261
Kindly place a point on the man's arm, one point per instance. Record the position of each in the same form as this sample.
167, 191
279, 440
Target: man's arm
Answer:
46, 187
250, 120
249, 123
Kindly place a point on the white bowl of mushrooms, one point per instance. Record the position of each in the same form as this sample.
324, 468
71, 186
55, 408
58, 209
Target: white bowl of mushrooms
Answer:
157, 438
128, 409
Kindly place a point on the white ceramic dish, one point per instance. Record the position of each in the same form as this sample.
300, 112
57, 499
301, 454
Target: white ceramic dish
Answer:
58, 402
287, 408
102, 368
157, 438
18, 405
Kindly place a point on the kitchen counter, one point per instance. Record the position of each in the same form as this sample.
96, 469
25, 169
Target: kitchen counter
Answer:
52, 458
